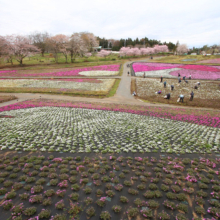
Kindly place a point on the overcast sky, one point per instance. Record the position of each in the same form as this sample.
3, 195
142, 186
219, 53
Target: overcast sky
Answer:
193, 22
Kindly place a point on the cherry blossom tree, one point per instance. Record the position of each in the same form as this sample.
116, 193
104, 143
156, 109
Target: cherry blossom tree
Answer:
161, 48
103, 53
19, 47
124, 51
182, 48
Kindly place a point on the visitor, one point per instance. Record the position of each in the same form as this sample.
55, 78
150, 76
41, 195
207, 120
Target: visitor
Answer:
165, 84
186, 81
159, 92
179, 80
134, 93
191, 96
144, 74
161, 79
167, 96
195, 87
184, 78
198, 83
181, 97
190, 76
172, 87
178, 74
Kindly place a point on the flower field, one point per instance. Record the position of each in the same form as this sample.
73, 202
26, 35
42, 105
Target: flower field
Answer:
206, 95
82, 130
172, 70
87, 71
56, 85
108, 187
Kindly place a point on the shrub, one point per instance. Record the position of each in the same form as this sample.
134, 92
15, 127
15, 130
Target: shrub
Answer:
153, 186
200, 210
74, 196
152, 204
36, 189
105, 215
181, 197
171, 196
101, 202
60, 192
10, 195
124, 199
27, 187
30, 211
60, 204
24, 196
164, 187
133, 191
138, 202
182, 207
132, 212
169, 205
47, 201
163, 216
175, 188
90, 211
110, 193
7, 204
147, 213
116, 208
88, 200
36, 198
181, 217
53, 182
149, 194
45, 213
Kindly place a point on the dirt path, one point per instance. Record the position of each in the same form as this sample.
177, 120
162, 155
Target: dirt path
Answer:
122, 96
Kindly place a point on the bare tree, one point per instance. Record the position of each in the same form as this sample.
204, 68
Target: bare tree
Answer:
40, 40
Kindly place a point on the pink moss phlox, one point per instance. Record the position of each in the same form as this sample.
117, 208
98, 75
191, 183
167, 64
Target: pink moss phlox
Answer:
74, 72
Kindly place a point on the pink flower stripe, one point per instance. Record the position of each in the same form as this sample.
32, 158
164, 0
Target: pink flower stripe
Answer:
197, 74
72, 80
196, 71
207, 120
152, 66
74, 72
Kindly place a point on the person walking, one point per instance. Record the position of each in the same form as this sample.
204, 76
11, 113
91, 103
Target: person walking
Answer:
181, 98
161, 79
178, 74
191, 96
144, 74
165, 84
172, 87
190, 77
